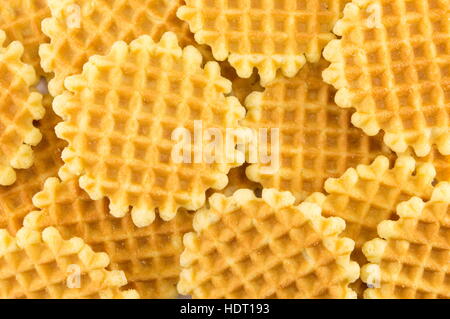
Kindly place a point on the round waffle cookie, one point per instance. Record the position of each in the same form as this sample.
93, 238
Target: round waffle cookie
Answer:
36, 265
19, 107
392, 65
148, 256
268, 35
123, 117
315, 137
412, 259
21, 20
15, 200
369, 194
249, 247
79, 29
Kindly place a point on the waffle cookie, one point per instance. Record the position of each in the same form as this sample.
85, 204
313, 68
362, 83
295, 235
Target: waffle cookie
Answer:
19, 107
15, 200
79, 29
392, 65
369, 194
268, 35
21, 20
148, 256
412, 259
36, 265
316, 138
249, 247
121, 134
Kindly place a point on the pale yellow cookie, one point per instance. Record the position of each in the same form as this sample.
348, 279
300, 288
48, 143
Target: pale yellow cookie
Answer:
249, 247
368, 194
148, 256
263, 34
79, 29
392, 64
21, 20
35, 265
15, 200
133, 137
411, 259
312, 135
19, 107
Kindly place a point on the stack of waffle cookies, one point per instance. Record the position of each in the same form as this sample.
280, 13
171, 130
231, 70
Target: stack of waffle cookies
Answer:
225, 149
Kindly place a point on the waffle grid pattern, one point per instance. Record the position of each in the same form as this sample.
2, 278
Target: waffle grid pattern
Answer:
148, 256
242, 88
440, 162
150, 90
393, 65
37, 266
21, 20
317, 140
266, 248
413, 260
369, 194
268, 35
102, 22
18, 109
15, 200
